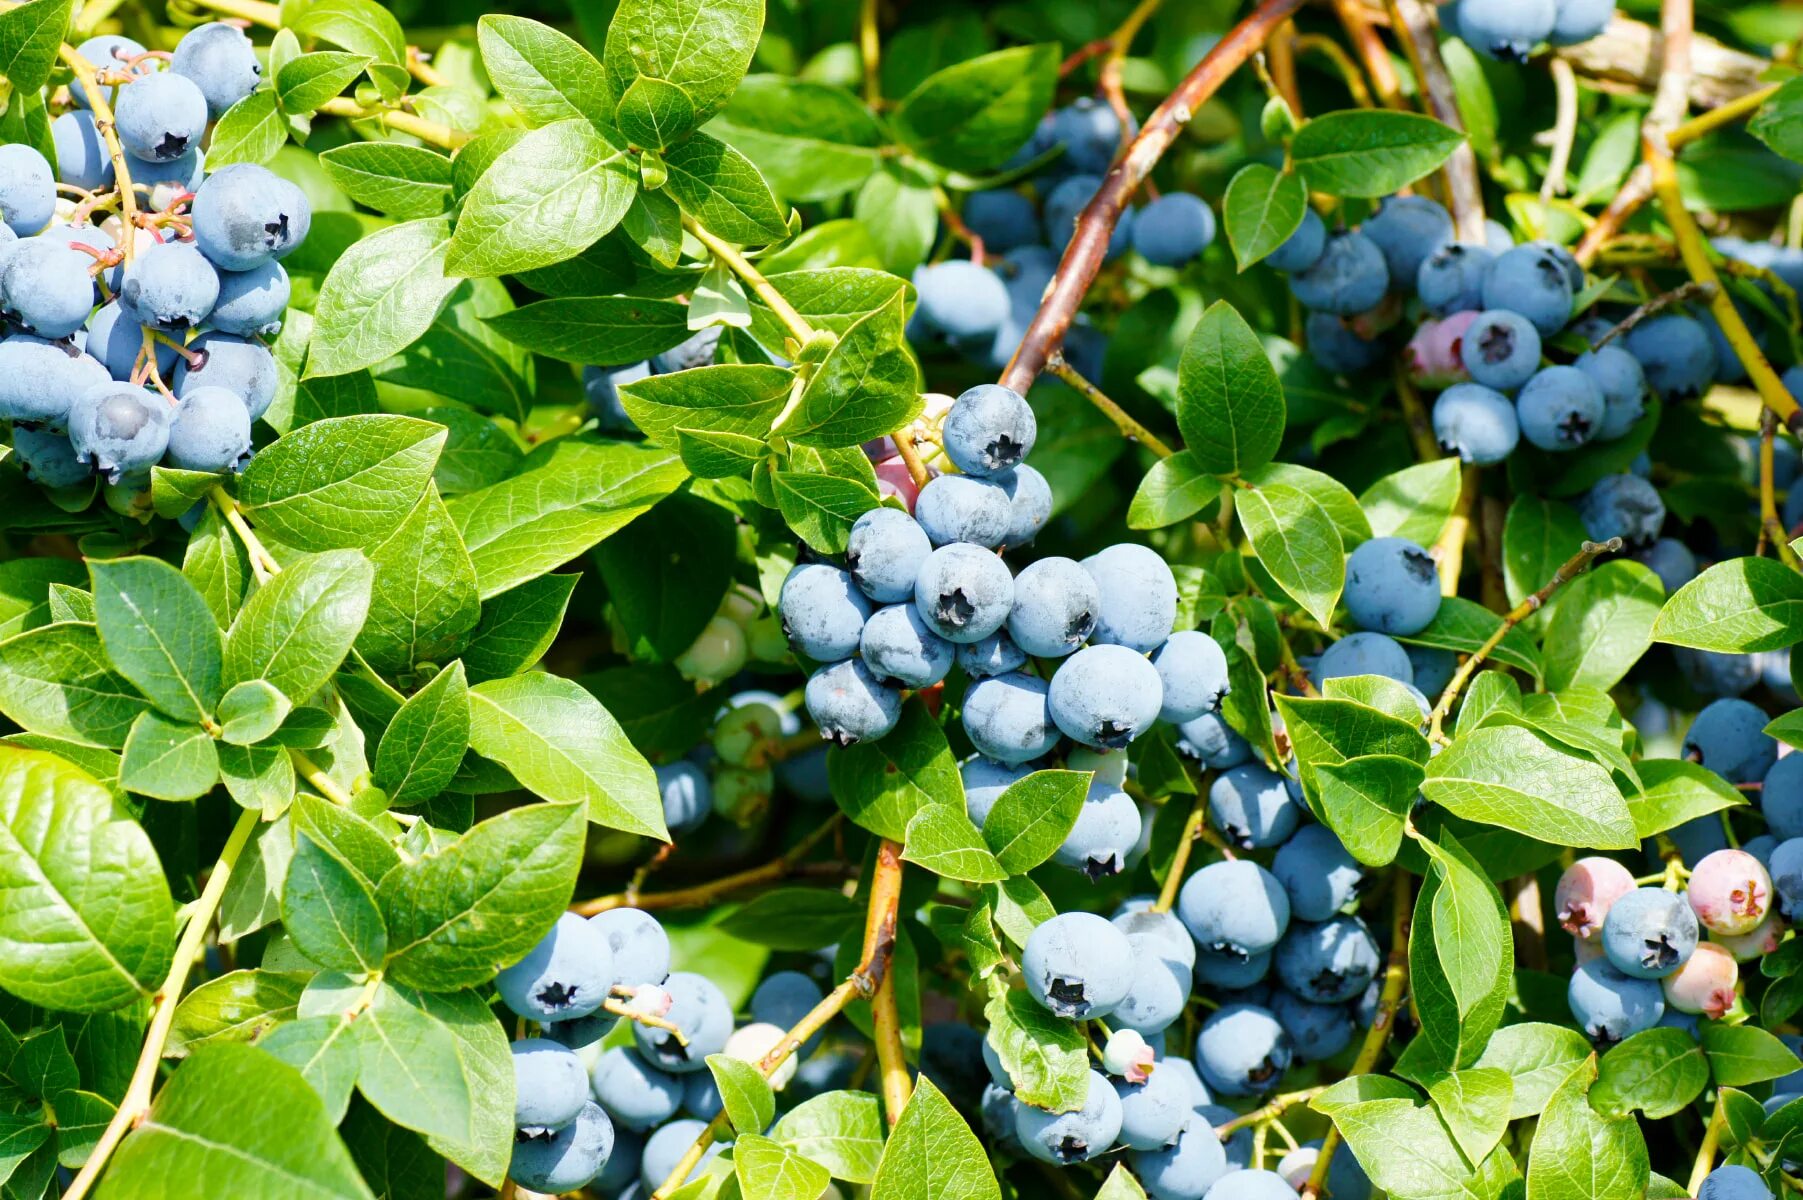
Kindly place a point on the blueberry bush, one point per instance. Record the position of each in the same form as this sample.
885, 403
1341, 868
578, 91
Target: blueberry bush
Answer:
673, 599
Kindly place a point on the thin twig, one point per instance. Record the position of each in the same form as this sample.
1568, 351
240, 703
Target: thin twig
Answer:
1715, 118
1373, 52
1449, 550
1130, 429
1415, 416
1108, 78
1326, 47
870, 49
1691, 290
1564, 132
1415, 29
1278, 1105
782, 867
879, 952
1186, 841
753, 278
439, 134
104, 122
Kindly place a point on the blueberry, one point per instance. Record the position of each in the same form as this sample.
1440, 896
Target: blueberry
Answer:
1107, 828
1139, 597
27, 189
1781, 798
1090, 132
1077, 965
1717, 674
1211, 740
1301, 249
1786, 870
1349, 278
1055, 606
221, 61
1507, 30
169, 286
601, 385
550, 1085
1105, 696
960, 301
119, 429
107, 52
242, 366
620, 1174
998, 1109
251, 303
1408, 229
562, 1160
244, 215
985, 779
1476, 422
962, 508
687, 796
1157, 998
849, 704
1066, 202
1159, 934
1451, 278
989, 430
1328, 962
1346, 1179
210, 431
1392, 586
1316, 1031
696, 350
994, 655
1501, 350
1008, 717
964, 592
1187, 1169
951, 1055
1618, 376
1337, 349
1242, 1051
1531, 281
1025, 272
1003, 218
48, 459
1365, 654
1252, 808
823, 612
1729, 738
1222, 971
1579, 20
1153, 1112
1649, 933
1433, 668
1193, 670
1235, 908
701, 1011
1560, 408
1073, 1137
1610, 1006
1671, 560
563, 977
1623, 506
637, 943
1675, 353
117, 340
666, 1148
1586, 891
884, 553
47, 286
635, 1094
700, 1095
40, 381
1173, 229
1029, 504
171, 179
160, 116
898, 646
1317, 873
82, 157
784, 999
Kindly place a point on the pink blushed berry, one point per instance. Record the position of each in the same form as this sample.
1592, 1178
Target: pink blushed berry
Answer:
1585, 892
1730, 892
1705, 983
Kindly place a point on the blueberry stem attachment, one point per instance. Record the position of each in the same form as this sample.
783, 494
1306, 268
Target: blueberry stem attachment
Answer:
1130, 429
136, 1102
103, 121
262, 563
1186, 841
1278, 1105
910, 456
620, 1008
739, 265
1712, 1136
780, 868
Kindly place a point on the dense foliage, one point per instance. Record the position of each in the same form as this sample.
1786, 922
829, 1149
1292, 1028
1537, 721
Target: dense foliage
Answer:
686, 599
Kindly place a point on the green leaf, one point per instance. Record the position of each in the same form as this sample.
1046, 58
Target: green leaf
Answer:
252, 711
424, 743
517, 627
709, 455
880, 785
943, 840
1401, 1143
1121, 1185
1474, 1104
304, 83
1365, 801
1230, 406
1033, 816
1538, 1058
239, 1006
273, 1139
1044, 1056
296, 629
567, 497
56, 680
251, 131
667, 572
973, 115
344, 482
1509, 776
1460, 972
217, 565
545, 75
1175, 489
1579, 1154
596, 329
842, 1131
722, 189
459, 914
1674, 791
811, 140
559, 742
897, 211
933, 1155
1415, 502
423, 601
1296, 541
1603, 624
1370, 152
360, 25
769, 1170
1779, 122
1262, 208
324, 1051
821, 509
868, 385
381, 295
393, 178
699, 48
330, 912
792, 919
1465, 625
1744, 1054
29, 37
1538, 536
361, 846
1659, 1071
741, 398
545, 198
85, 913
168, 760
159, 634
745, 1093
1739, 606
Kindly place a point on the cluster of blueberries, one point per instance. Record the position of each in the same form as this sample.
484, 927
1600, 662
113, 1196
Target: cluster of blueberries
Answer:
754, 747
112, 364
1510, 29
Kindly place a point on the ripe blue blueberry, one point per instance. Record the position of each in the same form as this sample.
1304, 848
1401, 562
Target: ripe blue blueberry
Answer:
1408, 229
1187, 1169
245, 215
1242, 1051
550, 1085
1781, 799
107, 52
1715, 673
687, 795
635, 1094
170, 179
994, 655
1675, 353
562, 1160
117, 340
47, 286
1433, 668
884, 553
898, 646
159, 116
1160, 934
701, 1095
1003, 218
1649, 933
1139, 597
221, 61
1301, 249
1337, 349
1055, 605
964, 592
1507, 30
1066, 202
1560, 408
1252, 808
40, 381
1328, 962
1090, 132
1223, 972
704, 1015
696, 350
1316, 1031
1105, 696
823, 611
1365, 654
1671, 560
1578, 21
960, 301
985, 779
1501, 350
82, 157
783, 999
1392, 586
1236, 909
1618, 376
1451, 278
1209, 739
210, 431
1153, 1112
601, 385
962, 508
1786, 869
1107, 828
666, 1148
1029, 504
1063, 1139
1729, 738
169, 286
1476, 422
1531, 281
242, 366
638, 944
1193, 670
989, 430
849, 704
1349, 277
251, 303
1173, 229
998, 1108
1610, 1006
119, 429
1623, 506
1156, 999
1077, 965
48, 458
563, 977
1317, 873
27, 189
